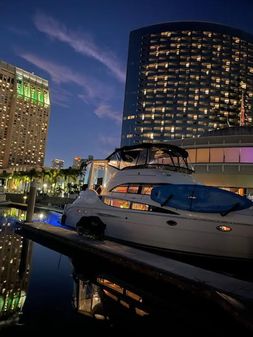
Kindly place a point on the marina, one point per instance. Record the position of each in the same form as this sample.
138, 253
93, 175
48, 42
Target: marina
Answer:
126, 165
126, 275
147, 195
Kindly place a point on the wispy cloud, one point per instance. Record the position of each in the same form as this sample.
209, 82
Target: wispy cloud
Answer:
61, 96
93, 92
108, 144
18, 31
109, 140
61, 74
82, 44
105, 110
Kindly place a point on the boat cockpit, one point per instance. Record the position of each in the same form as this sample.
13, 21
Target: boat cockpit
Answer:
164, 156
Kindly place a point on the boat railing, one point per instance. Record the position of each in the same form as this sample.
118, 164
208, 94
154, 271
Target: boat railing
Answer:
160, 166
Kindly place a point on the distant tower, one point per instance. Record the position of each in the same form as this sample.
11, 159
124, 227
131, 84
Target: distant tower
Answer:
24, 117
77, 163
57, 164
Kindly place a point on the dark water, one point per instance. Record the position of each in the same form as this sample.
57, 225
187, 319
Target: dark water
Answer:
43, 291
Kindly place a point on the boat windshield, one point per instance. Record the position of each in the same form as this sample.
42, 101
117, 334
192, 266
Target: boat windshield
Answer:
168, 157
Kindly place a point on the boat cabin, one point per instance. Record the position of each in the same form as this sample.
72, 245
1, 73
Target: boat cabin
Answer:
150, 156
140, 156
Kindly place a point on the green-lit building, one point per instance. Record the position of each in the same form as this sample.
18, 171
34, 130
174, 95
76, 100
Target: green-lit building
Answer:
24, 116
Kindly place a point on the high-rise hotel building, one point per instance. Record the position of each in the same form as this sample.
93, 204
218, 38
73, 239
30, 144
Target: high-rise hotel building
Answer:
24, 116
186, 78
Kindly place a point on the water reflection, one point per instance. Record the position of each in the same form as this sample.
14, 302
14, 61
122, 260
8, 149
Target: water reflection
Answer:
84, 293
99, 296
15, 261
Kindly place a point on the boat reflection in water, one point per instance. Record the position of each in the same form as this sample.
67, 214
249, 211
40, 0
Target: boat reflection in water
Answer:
15, 262
104, 297
138, 304
91, 298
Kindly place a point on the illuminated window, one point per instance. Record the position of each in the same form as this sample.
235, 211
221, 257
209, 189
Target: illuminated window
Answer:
192, 155
107, 201
146, 190
202, 155
139, 207
246, 155
216, 155
119, 203
120, 189
133, 189
232, 155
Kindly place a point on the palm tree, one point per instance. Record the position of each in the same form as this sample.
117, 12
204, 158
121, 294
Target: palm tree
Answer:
69, 175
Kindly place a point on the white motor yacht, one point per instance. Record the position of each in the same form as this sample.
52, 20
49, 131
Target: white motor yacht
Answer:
149, 198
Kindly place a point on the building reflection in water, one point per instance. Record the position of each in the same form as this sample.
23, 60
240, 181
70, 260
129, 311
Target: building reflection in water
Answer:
15, 262
103, 297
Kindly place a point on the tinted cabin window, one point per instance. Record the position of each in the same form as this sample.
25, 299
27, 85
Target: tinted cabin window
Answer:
129, 158
160, 157
142, 159
114, 160
165, 156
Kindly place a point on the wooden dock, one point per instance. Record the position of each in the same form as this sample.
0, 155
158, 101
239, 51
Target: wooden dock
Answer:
233, 294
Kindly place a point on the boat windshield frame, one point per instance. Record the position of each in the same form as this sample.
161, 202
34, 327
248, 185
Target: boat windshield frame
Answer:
168, 157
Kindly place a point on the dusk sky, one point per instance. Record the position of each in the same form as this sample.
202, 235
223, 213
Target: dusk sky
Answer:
81, 48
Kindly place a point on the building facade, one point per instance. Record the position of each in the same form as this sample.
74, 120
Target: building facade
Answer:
184, 79
57, 164
81, 163
223, 158
77, 163
15, 264
24, 117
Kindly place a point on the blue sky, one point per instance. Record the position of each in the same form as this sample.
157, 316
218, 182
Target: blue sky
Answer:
81, 48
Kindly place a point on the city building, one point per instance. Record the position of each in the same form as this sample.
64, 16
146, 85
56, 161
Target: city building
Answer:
57, 164
223, 158
76, 163
184, 79
24, 117
79, 162
15, 264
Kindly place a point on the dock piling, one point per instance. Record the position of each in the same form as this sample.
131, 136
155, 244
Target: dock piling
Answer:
31, 201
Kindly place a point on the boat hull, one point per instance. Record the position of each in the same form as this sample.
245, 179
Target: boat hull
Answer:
179, 233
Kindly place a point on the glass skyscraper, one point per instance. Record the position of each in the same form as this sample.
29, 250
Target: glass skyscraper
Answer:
186, 78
